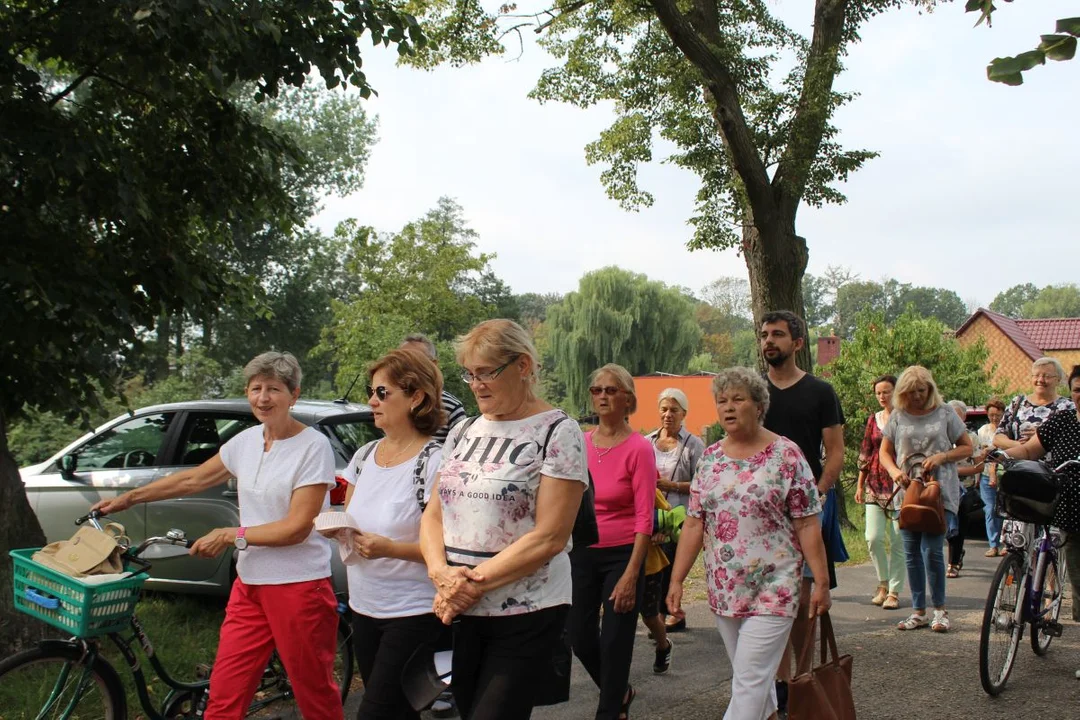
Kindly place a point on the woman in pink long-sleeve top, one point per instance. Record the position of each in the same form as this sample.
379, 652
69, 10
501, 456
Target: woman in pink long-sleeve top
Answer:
610, 573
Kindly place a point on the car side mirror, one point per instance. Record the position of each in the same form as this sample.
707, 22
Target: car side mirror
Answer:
67, 466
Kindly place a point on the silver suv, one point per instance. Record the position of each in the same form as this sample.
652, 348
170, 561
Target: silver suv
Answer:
148, 444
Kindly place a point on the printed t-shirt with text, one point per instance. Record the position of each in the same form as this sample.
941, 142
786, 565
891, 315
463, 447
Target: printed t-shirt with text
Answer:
488, 485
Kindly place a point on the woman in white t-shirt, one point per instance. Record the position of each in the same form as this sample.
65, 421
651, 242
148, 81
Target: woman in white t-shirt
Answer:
282, 596
389, 486
496, 539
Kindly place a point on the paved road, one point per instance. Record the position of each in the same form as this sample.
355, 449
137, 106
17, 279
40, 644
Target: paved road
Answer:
897, 675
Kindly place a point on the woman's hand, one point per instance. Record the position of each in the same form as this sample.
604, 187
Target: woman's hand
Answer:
443, 610
933, 462
625, 593
457, 587
119, 503
213, 543
667, 486
902, 478
674, 600
820, 599
371, 546
859, 495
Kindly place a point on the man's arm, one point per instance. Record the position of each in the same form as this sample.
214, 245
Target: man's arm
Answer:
833, 438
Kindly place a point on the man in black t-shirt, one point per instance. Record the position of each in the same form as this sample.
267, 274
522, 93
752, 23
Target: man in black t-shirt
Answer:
806, 410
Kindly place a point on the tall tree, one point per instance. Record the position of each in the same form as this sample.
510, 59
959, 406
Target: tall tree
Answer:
745, 99
622, 317
1012, 300
893, 298
421, 279
126, 167
1054, 301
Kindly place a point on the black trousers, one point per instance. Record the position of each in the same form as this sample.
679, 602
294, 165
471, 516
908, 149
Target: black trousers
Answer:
383, 646
605, 647
498, 660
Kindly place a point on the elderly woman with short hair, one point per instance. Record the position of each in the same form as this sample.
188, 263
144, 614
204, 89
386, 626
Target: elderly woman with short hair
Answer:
924, 437
282, 597
1027, 411
496, 541
677, 454
754, 507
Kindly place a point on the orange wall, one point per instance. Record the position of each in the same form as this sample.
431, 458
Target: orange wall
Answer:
1013, 364
698, 391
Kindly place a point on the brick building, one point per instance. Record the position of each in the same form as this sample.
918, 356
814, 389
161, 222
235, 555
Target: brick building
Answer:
1015, 344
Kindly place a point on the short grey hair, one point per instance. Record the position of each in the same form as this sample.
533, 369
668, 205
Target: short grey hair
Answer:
959, 406
674, 394
421, 339
1053, 362
278, 365
744, 379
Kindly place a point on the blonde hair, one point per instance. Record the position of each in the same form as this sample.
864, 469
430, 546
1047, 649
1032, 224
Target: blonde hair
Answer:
498, 341
911, 377
622, 378
1053, 362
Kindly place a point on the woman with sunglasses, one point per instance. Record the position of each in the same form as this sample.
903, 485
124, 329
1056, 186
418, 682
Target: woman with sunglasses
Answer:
496, 538
389, 592
610, 573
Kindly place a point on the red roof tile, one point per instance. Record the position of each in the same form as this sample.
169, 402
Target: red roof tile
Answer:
1010, 327
1053, 334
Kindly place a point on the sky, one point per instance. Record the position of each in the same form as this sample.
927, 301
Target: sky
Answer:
975, 189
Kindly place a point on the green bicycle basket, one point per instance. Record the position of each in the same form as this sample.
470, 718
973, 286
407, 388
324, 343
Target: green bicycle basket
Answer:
79, 609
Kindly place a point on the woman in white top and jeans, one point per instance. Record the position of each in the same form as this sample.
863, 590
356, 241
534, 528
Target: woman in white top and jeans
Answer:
389, 486
496, 538
282, 596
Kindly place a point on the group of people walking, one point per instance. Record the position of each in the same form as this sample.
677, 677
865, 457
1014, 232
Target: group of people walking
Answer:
466, 525
916, 435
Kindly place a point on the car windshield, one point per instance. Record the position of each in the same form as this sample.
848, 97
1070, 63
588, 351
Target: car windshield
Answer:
353, 435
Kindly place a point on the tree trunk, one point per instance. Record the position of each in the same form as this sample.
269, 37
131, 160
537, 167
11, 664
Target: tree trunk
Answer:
159, 369
776, 261
19, 529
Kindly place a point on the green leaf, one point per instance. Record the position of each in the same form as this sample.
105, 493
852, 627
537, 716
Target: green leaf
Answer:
1069, 25
1058, 47
1008, 78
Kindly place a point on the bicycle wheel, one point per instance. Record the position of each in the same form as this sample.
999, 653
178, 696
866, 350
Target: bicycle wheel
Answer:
1000, 634
53, 680
344, 662
1053, 592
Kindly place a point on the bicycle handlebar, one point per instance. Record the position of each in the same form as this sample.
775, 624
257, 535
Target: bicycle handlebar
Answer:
1001, 456
172, 537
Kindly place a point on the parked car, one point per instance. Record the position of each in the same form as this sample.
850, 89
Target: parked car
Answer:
148, 444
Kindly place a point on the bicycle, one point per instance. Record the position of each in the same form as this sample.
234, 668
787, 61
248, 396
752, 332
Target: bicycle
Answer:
72, 680
1029, 585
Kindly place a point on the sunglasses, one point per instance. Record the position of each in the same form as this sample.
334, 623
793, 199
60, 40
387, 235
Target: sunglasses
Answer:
608, 390
380, 392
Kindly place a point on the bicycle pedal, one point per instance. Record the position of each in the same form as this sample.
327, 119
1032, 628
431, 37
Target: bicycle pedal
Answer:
202, 671
1051, 629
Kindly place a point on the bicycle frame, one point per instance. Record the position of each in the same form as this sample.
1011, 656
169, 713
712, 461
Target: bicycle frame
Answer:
1044, 552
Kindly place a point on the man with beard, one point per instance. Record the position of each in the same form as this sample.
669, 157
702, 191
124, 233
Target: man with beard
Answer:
805, 409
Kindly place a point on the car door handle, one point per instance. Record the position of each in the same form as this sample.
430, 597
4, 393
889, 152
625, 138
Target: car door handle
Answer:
230, 494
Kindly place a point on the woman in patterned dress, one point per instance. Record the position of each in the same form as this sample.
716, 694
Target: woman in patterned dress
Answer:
754, 507
1026, 412
496, 541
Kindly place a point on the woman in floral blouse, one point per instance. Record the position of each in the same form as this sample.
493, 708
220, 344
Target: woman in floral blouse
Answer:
875, 489
1026, 412
754, 506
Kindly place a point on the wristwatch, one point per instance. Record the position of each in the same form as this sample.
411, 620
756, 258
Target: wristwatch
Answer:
240, 542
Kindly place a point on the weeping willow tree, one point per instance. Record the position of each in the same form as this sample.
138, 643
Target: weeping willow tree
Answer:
623, 317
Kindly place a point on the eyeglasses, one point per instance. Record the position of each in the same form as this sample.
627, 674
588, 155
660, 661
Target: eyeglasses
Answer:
1043, 376
608, 390
485, 377
380, 392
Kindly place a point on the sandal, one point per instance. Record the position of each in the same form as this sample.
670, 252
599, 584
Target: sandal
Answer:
892, 602
953, 571
624, 711
992, 552
940, 622
879, 596
914, 621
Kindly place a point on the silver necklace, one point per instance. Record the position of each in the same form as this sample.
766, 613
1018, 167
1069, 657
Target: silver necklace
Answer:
601, 452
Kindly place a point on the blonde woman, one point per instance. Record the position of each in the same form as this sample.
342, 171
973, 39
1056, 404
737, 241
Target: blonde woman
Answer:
924, 436
496, 540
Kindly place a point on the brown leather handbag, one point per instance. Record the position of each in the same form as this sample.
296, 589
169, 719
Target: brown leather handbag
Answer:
923, 509
824, 692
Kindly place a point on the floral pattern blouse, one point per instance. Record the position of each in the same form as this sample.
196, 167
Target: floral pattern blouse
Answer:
1021, 410
878, 487
753, 560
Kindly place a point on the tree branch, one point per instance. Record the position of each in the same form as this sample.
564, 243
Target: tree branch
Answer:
815, 103
726, 107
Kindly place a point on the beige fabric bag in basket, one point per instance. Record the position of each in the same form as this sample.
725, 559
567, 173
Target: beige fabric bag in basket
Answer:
89, 552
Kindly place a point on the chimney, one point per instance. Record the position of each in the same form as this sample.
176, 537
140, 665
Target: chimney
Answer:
828, 349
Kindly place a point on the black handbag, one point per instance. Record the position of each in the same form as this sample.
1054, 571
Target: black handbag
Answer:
971, 502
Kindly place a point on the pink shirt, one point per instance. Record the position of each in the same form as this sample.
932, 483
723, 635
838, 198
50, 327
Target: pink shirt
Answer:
624, 480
